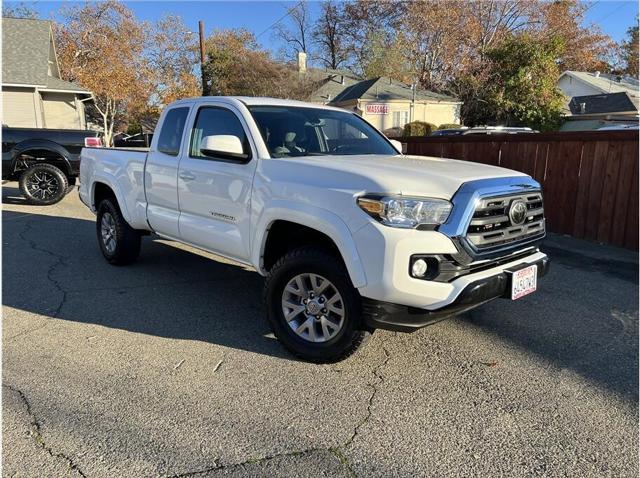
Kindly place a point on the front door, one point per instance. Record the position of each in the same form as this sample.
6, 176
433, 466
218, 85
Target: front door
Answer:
215, 192
161, 173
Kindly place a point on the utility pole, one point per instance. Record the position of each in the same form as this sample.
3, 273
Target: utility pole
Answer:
412, 107
205, 83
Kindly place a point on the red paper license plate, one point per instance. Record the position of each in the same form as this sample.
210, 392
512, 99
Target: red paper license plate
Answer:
524, 282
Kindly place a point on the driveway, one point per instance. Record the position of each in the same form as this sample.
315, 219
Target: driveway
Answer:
167, 368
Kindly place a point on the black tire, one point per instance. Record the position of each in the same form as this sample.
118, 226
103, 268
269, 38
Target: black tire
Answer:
314, 260
43, 184
72, 183
125, 247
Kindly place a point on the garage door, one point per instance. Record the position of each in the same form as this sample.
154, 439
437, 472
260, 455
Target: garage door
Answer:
18, 108
60, 111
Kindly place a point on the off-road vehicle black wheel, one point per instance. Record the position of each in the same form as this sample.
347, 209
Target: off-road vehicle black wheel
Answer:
43, 184
312, 307
119, 242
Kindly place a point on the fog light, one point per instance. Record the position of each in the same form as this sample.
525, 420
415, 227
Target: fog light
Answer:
419, 268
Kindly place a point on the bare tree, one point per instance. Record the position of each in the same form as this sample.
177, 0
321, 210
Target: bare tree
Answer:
371, 28
492, 20
295, 32
432, 37
329, 35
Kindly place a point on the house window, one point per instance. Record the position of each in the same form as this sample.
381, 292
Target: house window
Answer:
400, 118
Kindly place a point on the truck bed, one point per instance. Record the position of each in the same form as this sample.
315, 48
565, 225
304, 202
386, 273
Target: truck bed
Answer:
126, 166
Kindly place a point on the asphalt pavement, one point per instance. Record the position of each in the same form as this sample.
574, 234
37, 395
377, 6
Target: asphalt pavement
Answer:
168, 368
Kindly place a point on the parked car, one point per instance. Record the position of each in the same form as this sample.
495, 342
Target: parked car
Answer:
620, 127
140, 140
395, 132
351, 235
464, 130
45, 162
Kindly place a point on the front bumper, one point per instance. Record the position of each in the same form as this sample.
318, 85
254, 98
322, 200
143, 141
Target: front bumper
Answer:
402, 318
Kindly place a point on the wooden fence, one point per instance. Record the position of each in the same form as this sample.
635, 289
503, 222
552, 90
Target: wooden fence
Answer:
590, 179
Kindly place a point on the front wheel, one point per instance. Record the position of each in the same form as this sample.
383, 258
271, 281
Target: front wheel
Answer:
312, 307
43, 184
119, 242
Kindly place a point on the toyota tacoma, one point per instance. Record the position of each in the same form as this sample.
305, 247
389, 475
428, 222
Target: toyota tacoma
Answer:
350, 234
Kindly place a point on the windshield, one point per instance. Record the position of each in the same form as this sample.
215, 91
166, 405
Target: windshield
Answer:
290, 131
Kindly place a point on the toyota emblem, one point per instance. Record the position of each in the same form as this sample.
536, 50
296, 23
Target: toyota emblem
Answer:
517, 212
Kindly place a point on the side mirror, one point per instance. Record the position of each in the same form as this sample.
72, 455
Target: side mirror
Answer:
396, 144
224, 146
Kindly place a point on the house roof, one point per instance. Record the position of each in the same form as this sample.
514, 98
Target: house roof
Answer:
54, 83
607, 83
26, 45
25, 51
384, 88
331, 83
603, 104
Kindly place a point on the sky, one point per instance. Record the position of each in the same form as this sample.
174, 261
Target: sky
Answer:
613, 16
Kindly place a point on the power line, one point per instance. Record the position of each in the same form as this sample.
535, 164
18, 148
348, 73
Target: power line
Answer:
279, 19
623, 4
591, 6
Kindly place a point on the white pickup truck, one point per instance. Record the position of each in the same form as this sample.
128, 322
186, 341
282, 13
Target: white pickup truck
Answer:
351, 234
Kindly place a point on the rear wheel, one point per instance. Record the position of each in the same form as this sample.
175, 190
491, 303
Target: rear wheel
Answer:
119, 242
312, 307
43, 184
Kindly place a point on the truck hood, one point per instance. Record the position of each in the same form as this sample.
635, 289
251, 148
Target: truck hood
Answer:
406, 175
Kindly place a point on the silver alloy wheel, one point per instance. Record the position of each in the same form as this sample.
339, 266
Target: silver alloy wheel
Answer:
313, 307
108, 232
42, 185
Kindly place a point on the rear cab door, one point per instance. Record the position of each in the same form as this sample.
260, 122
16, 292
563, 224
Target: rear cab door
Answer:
161, 170
214, 192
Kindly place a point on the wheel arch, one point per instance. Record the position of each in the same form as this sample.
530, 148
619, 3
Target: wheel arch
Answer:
292, 227
54, 153
103, 189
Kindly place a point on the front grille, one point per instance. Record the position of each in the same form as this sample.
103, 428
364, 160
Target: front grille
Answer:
491, 226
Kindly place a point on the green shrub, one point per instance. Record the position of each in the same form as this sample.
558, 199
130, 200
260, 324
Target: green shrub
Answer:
418, 128
134, 128
450, 126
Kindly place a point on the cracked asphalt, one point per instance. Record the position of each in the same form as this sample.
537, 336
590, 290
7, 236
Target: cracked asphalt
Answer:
168, 368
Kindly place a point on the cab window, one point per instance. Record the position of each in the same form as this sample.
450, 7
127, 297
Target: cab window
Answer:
211, 121
171, 132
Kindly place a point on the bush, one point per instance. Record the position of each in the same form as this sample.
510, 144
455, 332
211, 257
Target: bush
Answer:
450, 126
418, 128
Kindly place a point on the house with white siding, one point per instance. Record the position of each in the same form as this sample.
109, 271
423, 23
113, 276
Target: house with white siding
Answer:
33, 94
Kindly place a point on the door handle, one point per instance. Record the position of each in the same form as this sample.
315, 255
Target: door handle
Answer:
187, 176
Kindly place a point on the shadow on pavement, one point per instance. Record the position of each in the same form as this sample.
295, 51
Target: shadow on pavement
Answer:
584, 317
11, 195
54, 264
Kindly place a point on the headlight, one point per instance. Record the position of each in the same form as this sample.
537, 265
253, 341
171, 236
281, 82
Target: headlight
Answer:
408, 212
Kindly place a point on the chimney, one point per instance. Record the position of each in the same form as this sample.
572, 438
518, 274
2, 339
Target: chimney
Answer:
342, 80
597, 74
583, 108
302, 62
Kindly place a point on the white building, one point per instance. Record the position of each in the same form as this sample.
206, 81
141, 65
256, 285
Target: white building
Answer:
583, 83
33, 94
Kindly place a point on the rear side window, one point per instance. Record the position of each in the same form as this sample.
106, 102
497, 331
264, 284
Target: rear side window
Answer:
171, 132
211, 121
